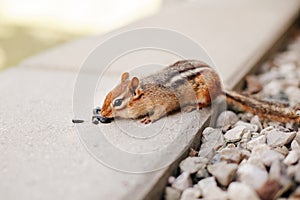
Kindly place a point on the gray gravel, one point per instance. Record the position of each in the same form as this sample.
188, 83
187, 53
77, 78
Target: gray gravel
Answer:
246, 157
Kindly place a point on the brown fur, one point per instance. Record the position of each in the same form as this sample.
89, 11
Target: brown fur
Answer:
264, 109
106, 108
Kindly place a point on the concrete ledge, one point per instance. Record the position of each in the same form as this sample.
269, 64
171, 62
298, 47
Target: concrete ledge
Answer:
41, 154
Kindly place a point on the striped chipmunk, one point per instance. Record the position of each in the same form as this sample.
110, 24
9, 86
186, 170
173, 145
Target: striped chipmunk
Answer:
185, 85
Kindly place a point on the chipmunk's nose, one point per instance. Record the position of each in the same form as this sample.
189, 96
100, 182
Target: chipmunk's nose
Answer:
98, 117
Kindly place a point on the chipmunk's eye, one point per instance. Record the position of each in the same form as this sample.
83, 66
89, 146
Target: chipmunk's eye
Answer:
117, 102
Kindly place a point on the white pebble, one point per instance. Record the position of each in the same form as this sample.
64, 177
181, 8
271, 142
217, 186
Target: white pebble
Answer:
256, 141
238, 191
210, 190
182, 182
172, 194
292, 157
192, 164
249, 126
235, 134
223, 172
190, 194
226, 118
279, 138
252, 175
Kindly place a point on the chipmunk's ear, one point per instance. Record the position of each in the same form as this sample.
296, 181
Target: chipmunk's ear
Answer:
134, 87
124, 77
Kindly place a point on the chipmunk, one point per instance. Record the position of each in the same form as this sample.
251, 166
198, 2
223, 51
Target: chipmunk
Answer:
185, 85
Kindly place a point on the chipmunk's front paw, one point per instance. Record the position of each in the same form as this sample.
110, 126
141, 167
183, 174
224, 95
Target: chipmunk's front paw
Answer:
146, 120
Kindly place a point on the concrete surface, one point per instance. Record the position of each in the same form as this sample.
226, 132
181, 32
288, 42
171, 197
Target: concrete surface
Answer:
42, 154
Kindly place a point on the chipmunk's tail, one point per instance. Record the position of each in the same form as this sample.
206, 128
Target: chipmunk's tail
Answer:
264, 109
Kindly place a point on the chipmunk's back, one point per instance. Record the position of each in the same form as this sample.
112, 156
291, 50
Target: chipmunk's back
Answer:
193, 82
176, 73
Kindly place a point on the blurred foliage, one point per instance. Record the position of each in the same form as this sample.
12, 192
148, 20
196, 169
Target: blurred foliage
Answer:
30, 27
18, 42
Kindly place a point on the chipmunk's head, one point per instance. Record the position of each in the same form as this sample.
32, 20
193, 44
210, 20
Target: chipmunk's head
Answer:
118, 100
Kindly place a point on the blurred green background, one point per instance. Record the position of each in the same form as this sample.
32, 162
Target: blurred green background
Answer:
28, 27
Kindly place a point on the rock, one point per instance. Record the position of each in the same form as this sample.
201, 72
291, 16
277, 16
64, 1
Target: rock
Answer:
292, 169
293, 82
246, 137
267, 77
190, 194
246, 117
278, 126
267, 129
193, 152
171, 180
260, 148
172, 194
215, 159
255, 135
207, 152
252, 175
223, 172
295, 145
256, 141
255, 120
230, 146
292, 126
278, 138
275, 171
238, 191
182, 182
235, 134
250, 127
244, 161
273, 88
282, 127
192, 164
297, 137
207, 182
295, 195
256, 158
212, 139
288, 68
202, 173
231, 155
269, 156
226, 128
292, 157
226, 118
245, 153
269, 189
265, 67
210, 190
293, 93
283, 150
253, 84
